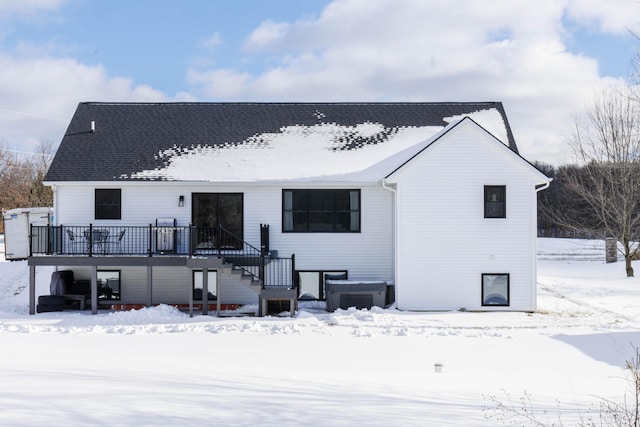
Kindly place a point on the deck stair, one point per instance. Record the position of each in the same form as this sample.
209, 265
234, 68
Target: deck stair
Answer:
269, 276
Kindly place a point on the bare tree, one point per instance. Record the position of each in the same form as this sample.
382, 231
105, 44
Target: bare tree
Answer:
8, 164
40, 195
561, 213
21, 178
607, 144
6, 158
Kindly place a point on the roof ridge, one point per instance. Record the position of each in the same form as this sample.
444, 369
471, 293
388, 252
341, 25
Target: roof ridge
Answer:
292, 103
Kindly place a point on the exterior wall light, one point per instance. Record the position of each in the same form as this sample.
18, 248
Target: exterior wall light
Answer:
181, 201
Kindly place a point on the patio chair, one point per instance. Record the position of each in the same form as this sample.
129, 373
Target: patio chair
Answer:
74, 241
115, 245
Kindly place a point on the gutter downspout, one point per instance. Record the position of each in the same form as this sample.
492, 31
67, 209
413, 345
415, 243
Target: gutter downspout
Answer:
538, 188
54, 189
543, 186
394, 242
55, 204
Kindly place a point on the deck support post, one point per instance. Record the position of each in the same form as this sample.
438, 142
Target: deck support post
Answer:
205, 291
262, 306
218, 278
32, 289
149, 286
190, 288
94, 289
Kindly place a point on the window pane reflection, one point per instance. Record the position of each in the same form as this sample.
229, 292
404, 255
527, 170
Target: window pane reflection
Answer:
109, 284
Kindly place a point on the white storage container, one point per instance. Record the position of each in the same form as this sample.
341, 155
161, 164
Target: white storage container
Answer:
17, 226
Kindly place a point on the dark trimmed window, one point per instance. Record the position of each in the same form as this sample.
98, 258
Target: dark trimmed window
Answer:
321, 211
495, 289
495, 201
198, 285
108, 203
310, 283
109, 285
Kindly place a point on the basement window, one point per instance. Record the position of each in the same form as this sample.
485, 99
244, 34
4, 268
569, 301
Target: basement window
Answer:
310, 283
495, 289
109, 285
198, 285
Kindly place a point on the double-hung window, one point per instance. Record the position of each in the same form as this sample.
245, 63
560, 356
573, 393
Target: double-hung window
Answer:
323, 211
495, 201
108, 203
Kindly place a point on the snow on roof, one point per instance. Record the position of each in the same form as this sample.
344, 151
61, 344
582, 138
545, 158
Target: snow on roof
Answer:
308, 152
491, 120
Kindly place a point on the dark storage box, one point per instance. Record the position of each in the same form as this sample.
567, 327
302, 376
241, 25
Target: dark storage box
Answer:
352, 293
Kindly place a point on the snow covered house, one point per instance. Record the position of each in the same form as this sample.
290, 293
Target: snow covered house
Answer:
240, 203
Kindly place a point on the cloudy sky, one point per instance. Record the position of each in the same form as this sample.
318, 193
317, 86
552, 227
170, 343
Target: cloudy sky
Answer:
542, 58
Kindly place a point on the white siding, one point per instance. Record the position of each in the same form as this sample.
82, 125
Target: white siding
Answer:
367, 255
142, 203
444, 241
170, 284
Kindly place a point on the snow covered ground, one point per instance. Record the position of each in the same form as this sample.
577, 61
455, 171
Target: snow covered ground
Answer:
158, 366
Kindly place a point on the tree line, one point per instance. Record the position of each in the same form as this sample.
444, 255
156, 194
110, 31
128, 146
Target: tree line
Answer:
562, 212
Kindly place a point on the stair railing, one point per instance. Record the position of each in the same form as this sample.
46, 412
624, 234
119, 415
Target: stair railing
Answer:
255, 262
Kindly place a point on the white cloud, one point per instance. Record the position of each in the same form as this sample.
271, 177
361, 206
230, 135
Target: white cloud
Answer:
223, 83
10, 8
395, 50
611, 16
39, 96
12, 11
212, 41
266, 34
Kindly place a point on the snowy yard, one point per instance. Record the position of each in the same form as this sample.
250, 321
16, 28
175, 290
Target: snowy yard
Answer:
160, 367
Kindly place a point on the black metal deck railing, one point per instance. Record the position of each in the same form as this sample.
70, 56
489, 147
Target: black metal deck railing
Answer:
94, 240
152, 240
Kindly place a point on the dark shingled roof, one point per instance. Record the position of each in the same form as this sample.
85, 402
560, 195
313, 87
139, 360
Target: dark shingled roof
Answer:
129, 136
